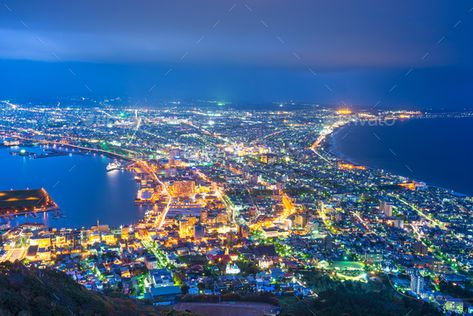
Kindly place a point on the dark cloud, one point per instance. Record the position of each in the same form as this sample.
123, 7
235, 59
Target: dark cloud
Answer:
321, 32
288, 37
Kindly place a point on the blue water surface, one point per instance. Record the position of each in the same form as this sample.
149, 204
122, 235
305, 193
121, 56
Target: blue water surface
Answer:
78, 183
437, 151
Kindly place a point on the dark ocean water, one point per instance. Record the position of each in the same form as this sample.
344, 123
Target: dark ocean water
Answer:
78, 183
437, 151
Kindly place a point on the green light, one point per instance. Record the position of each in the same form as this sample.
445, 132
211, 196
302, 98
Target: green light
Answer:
220, 103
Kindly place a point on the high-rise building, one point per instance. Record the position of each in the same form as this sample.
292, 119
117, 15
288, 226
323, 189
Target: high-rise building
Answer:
327, 243
243, 231
203, 216
252, 212
199, 231
417, 282
386, 208
398, 223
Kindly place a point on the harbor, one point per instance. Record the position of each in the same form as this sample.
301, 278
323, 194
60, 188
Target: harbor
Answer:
21, 202
84, 185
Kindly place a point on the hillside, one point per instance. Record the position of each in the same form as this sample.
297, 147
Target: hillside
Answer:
25, 291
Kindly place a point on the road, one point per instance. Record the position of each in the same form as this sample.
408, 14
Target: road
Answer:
428, 217
161, 218
14, 254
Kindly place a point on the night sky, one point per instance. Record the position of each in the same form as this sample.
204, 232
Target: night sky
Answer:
367, 52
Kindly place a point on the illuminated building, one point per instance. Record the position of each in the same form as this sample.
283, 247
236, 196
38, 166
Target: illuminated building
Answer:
229, 184
386, 208
203, 216
374, 257
171, 172
408, 185
420, 248
174, 157
199, 231
161, 277
285, 224
265, 263
93, 238
232, 269
125, 233
349, 166
243, 231
43, 241
398, 223
34, 253
151, 262
300, 220
11, 142
183, 188
187, 227
417, 283
268, 158
274, 233
413, 185
454, 306
109, 239
252, 212
60, 241
222, 218
344, 111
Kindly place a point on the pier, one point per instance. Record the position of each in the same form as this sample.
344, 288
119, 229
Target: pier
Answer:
22, 202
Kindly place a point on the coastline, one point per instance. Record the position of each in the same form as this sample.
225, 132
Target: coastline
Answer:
71, 212
332, 146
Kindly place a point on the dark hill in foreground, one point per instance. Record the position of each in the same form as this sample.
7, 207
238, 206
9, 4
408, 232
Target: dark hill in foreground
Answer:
25, 291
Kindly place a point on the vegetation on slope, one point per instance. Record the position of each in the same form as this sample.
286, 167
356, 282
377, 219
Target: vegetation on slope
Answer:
30, 291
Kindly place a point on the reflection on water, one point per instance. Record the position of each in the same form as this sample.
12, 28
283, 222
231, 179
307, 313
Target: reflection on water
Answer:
78, 183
